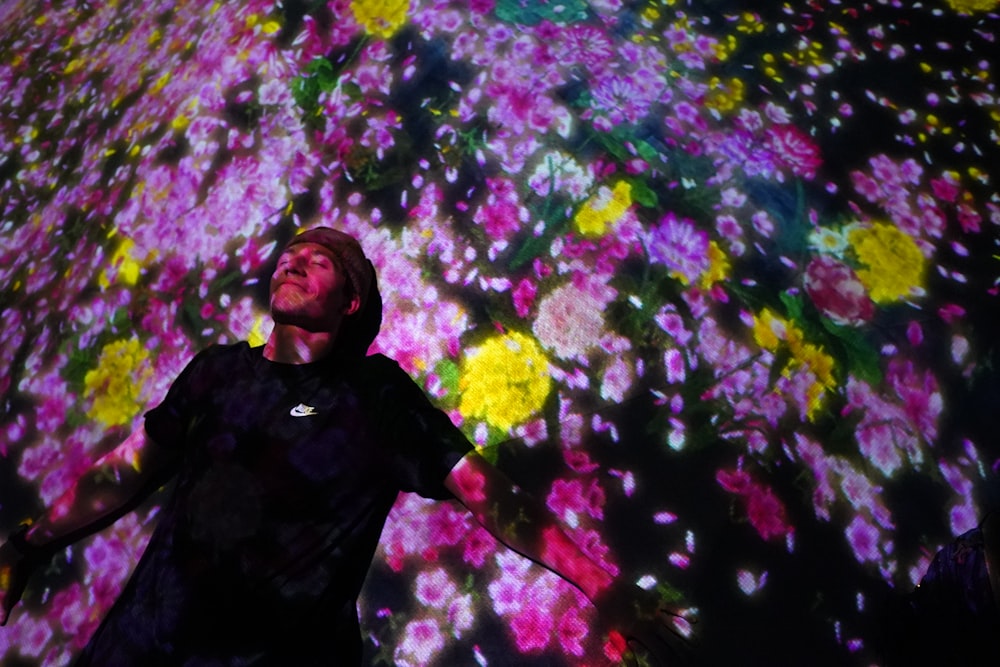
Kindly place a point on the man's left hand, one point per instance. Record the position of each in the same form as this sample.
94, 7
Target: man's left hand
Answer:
642, 629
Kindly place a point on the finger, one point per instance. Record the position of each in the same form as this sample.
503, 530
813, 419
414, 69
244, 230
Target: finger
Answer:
642, 655
674, 614
664, 646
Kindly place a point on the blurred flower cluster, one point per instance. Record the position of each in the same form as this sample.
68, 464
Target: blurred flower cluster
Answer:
716, 281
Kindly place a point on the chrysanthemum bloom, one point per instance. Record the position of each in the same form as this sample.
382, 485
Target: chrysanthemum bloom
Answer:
837, 292
570, 321
381, 18
970, 6
504, 381
117, 382
604, 209
680, 246
894, 264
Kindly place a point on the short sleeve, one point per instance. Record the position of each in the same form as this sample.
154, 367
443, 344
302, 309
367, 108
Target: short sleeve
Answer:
167, 424
421, 441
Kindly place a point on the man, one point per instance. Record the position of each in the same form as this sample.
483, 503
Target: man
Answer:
286, 460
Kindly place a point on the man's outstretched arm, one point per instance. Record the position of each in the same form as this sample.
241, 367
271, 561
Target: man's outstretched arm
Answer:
526, 526
114, 485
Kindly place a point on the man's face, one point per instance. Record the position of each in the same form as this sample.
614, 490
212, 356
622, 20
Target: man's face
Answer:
309, 289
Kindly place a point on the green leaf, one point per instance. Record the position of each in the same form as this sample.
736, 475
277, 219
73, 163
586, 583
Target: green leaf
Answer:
79, 363
535, 246
613, 142
533, 12
490, 452
317, 77
647, 151
643, 194
781, 358
793, 306
448, 372
863, 360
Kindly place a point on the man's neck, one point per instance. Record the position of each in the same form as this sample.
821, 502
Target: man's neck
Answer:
289, 344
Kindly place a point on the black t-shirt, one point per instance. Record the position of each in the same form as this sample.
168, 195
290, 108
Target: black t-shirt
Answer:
284, 477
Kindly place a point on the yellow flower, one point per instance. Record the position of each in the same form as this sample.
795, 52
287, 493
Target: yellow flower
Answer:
505, 381
768, 329
603, 209
813, 359
895, 265
723, 96
117, 382
970, 6
125, 265
259, 333
718, 267
381, 18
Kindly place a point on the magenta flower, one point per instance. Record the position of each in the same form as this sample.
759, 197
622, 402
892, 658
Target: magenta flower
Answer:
864, 539
532, 627
794, 149
764, 510
524, 297
680, 246
837, 292
477, 546
572, 632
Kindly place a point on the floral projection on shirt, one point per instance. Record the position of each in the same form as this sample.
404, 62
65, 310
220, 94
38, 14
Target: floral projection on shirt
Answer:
717, 281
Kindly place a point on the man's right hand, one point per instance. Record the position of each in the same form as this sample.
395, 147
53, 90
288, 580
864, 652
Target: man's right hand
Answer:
15, 570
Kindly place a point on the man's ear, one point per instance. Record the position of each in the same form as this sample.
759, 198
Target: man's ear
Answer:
353, 305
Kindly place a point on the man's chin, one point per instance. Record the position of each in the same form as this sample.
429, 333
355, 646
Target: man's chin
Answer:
300, 321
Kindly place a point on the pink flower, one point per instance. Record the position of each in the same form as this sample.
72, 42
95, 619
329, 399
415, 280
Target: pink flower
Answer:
471, 482
922, 401
615, 647
506, 593
877, 442
837, 291
864, 539
77, 618
35, 636
476, 546
532, 628
502, 214
524, 297
679, 245
434, 588
765, 511
570, 321
589, 44
969, 219
617, 380
945, 189
460, 614
795, 149
579, 461
422, 639
565, 499
570, 498
446, 525
572, 631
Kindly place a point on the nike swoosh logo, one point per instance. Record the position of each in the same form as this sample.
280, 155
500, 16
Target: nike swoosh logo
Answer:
302, 410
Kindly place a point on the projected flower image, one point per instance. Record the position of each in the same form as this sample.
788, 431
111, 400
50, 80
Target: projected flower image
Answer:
715, 281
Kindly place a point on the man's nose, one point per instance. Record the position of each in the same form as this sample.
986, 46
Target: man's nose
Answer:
296, 264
